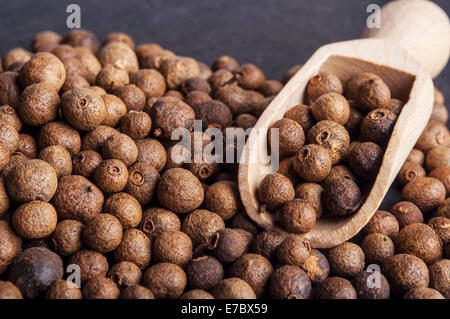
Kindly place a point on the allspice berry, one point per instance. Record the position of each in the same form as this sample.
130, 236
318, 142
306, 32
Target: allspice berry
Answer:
346, 260
26, 271
353, 123
125, 208
4, 198
242, 221
9, 291
275, 190
421, 241
335, 288
136, 292
131, 95
266, 244
365, 159
180, 114
82, 38
366, 287
290, 137
439, 113
311, 193
423, 293
156, 221
382, 222
426, 192
201, 225
101, 288
435, 134
165, 280
331, 106
302, 114
152, 152
405, 272
249, 76
323, 83
297, 216
245, 121
92, 264
9, 89
444, 209
111, 176
35, 219
180, 191
377, 248
60, 133
416, 156
59, 158
9, 137
43, 67
112, 76
85, 162
286, 168
441, 226
377, 126
150, 81
11, 245
136, 124
228, 244
142, 182
254, 269
442, 174
294, 250
233, 288
312, 163
316, 266
289, 282
66, 238
32, 180
120, 146
125, 274
410, 171
15, 55
77, 198
332, 136
27, 145
197, 294
341, 196
271, 88
440, 277
115, 110
195, 84
213, 114
119, 37
372, 92
63, 289
102, 233
178, 69
119, 53
225, 62
204, 272
9, 115
437, 157
194, 98
174, 247
223, 198
135, 247
236, 98
406, 213
83, 108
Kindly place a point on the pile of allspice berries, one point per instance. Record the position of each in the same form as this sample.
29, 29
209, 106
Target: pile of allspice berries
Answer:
92, 184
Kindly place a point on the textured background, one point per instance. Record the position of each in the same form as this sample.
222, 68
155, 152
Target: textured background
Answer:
274, 34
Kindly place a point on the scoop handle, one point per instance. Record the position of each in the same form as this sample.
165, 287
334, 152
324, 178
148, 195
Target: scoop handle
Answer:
420, 26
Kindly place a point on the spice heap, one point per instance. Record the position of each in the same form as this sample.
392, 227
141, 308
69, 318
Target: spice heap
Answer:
90, 178
329, 149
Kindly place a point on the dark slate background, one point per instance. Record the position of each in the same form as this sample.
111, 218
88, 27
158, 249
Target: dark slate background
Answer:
274, 34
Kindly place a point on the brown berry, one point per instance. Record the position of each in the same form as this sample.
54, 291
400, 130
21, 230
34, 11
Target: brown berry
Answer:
323, 83
59, 133
290, 282
377, 248
35, 219
66, 238
45, 68
165, 280
125, 274
156, 221
92, 264
125, 208
382, 222
335, 288
204, 272
121, 147
294, 250
85, 162
101, 288
426, 192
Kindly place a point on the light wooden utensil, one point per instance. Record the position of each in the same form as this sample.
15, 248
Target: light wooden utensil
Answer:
398, 67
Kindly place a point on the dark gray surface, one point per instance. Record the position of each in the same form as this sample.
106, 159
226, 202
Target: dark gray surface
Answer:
274, 34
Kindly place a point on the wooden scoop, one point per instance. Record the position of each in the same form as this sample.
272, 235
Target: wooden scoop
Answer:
406, 78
